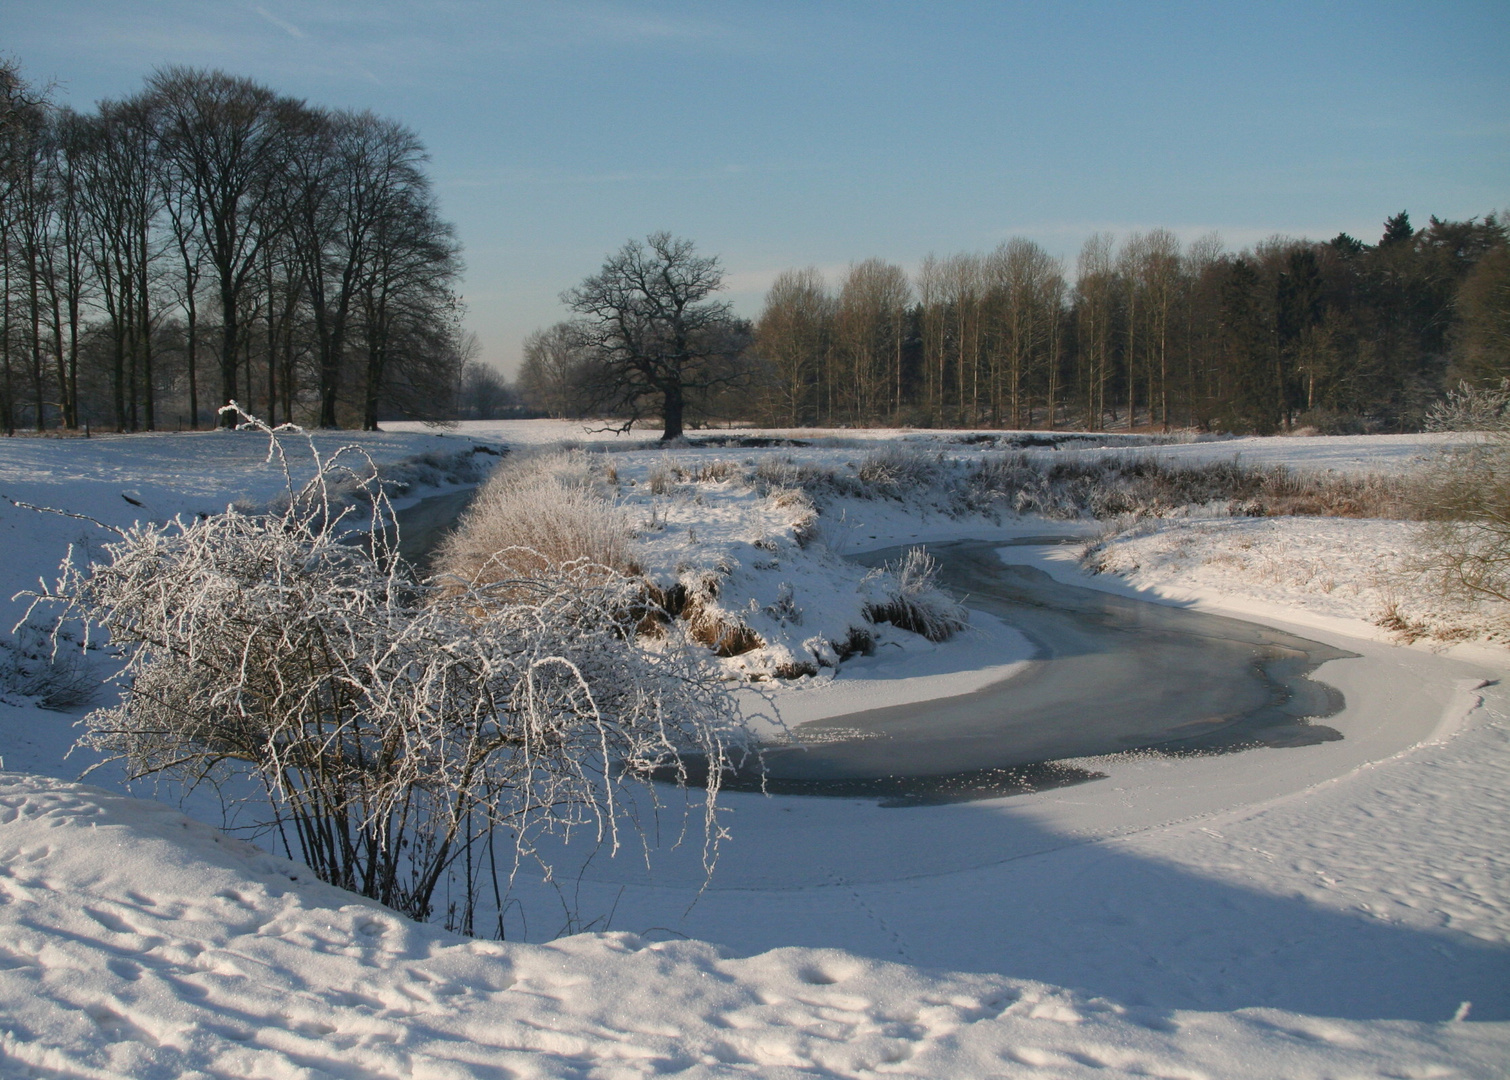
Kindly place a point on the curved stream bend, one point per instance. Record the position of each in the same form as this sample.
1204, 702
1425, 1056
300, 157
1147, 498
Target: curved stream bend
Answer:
1111, 674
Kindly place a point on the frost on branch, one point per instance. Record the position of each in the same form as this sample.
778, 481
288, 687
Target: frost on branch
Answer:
404, 730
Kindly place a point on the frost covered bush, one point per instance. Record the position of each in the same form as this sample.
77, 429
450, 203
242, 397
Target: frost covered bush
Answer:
404, 730
1464, 547
1115, 486
534, 513
786, 473
895, 469
1068, 486
914, 599
1472, 408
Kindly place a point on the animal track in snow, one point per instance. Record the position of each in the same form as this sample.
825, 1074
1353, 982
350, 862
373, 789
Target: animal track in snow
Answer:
118, 1026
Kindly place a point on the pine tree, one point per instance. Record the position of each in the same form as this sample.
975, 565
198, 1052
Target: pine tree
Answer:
1397, 229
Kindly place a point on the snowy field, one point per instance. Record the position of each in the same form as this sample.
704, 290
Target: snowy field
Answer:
1351, 454
1326, 911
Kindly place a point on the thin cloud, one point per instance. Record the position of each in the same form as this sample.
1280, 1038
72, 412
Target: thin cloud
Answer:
282, 24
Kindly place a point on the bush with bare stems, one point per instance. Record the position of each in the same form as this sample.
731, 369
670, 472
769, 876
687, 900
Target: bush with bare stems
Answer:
1464, 547
404, 730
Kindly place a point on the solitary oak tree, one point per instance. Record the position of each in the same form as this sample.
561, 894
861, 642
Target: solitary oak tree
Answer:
654, 336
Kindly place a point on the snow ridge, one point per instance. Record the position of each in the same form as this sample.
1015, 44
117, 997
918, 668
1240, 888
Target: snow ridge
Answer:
137, 942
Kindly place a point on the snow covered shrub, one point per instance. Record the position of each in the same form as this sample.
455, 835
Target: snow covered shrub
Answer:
914, 601
534, 513
693, 599
1287, 493
663, 476
1464, 547
785, 473
401, 728
1116, 486
797, 506
1472, 408
895, 469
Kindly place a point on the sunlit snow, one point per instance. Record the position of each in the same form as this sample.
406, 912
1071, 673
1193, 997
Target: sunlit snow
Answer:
1342, 909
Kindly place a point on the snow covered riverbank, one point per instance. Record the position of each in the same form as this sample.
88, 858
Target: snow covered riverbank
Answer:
1332, 910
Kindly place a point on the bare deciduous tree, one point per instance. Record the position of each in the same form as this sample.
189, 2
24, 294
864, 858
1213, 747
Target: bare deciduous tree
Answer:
869, 328
653, 332
794, 335
554, 375
226, 142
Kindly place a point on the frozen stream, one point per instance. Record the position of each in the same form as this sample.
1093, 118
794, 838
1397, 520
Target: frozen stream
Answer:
1111, 674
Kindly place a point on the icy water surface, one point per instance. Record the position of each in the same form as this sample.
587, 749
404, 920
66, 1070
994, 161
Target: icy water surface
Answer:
1111, 674
423, 525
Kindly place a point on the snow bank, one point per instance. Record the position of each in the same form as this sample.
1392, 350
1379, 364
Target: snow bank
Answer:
135, 942
1332, 568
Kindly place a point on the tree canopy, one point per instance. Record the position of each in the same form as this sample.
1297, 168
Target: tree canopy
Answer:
651, 332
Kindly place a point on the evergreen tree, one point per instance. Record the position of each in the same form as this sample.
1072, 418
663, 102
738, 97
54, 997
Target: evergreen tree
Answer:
1254, 405
1397, 230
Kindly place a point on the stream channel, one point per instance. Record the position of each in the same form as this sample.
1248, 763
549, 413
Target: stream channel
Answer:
1110, 674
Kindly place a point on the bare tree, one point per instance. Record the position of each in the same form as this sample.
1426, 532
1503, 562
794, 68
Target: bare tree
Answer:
483, 393
1205, 264
225, 140
964, 291
121, 199
869, 329
1095, 285
22, 116
1159, 276
66, 271
794, 335
357, 183
647, 320
1022, 300
931, 293
554, 372
410, 312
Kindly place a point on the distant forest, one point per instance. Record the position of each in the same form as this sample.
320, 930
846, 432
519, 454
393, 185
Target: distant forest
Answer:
1334, 336
208, 239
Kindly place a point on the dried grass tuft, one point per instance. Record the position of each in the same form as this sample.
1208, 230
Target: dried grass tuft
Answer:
915, 601
538, 513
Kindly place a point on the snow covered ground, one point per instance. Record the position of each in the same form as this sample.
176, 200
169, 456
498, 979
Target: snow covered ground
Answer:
118, 479
1336, 910
1351, 454
1329, 568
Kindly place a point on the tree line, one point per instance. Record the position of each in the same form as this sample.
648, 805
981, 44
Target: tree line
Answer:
1336, 335
208, 239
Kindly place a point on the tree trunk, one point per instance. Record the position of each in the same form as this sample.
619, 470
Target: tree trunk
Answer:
193, 368
149, 405
9, 389
228, 357
671, 412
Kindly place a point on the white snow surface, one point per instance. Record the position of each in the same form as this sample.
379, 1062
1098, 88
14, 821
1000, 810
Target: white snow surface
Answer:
1327, 571
1348, 454
118, 479
1337, 910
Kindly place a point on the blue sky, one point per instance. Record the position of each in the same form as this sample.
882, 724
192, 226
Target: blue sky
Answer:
782, 134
